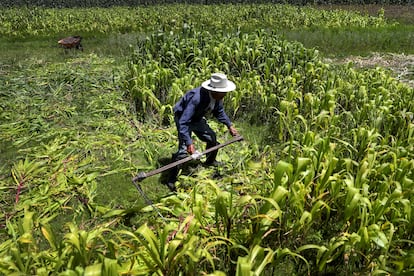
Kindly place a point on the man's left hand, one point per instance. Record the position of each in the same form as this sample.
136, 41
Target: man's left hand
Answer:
233, 131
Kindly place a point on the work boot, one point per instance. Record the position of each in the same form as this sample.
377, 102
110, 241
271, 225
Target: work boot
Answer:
214, 164
171, 186
172, 179
211, 157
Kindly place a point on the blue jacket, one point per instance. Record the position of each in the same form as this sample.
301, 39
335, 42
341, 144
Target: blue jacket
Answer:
192, 107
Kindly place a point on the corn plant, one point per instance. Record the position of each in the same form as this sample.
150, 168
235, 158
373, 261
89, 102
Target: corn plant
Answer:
328, 189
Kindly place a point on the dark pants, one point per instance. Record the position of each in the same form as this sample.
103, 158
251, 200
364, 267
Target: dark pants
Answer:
204, 132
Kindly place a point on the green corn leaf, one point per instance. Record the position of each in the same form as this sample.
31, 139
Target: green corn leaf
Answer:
243, 267
70, 272
18, 258
377, 236
268, 218
270, 204
268, 258
115, 213
311, 246
223, 205
302, 163
217, 273
305, 219
282, 169
73, 237
317, 208
151, 243
282, 252
27, 222
352, 205
331, 253
279, 193
94, 270
49, 236
26, 238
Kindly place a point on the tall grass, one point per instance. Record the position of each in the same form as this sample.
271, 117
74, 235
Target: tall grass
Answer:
356, 41
111, 31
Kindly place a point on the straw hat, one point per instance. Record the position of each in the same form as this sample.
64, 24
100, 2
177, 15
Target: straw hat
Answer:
219, 83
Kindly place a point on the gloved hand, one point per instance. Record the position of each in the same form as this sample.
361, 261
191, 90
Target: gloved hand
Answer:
233, 131
196, 155
191, 149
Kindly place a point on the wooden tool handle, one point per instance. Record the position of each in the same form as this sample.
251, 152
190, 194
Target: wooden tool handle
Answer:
142, 175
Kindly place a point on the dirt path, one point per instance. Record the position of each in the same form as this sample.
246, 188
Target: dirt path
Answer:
400, 64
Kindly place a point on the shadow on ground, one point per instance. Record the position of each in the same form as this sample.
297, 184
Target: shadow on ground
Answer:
185, 169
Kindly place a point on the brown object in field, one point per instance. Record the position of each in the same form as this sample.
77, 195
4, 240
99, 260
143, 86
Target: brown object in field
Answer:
71, 42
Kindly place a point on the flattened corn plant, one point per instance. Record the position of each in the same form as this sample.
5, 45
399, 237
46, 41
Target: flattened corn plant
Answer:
58, 126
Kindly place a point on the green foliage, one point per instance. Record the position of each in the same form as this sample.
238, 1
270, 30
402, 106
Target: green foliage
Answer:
20, 23
328, 190
355, 41
112, 3
335, 125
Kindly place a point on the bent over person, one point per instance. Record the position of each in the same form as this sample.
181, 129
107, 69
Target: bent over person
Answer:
189, 114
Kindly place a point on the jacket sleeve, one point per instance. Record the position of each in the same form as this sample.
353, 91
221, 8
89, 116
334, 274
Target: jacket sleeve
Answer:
185, 120
220, 114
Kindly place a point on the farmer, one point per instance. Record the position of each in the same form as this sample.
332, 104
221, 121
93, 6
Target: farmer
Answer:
189, 114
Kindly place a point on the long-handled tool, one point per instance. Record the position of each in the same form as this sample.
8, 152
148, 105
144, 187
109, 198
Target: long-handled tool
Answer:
147, 200
142, 175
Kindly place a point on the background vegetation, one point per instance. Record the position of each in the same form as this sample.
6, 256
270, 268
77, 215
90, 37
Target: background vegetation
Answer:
111, 3
327, 186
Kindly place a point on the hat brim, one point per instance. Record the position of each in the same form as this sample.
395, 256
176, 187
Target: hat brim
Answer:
230, 87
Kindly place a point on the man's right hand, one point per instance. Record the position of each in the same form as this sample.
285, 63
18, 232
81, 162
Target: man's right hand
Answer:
191, 149
233, 131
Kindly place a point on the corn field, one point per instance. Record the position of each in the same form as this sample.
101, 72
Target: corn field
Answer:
36, 21
112, 3
325, 184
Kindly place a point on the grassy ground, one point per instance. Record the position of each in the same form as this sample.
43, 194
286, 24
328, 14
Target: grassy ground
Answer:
334, 42
356, 41
362, 41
